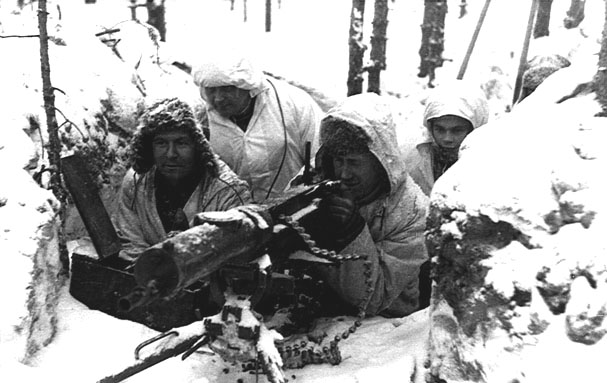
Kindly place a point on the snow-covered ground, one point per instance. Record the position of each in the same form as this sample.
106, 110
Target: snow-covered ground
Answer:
90, 345
307, 45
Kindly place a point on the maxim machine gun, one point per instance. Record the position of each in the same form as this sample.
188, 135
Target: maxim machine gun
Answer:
224, 242
235, 252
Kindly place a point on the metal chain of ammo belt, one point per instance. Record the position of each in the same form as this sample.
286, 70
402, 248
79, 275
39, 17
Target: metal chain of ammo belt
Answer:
301, 353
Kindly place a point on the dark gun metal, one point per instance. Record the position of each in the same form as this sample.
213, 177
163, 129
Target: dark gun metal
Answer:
139, 297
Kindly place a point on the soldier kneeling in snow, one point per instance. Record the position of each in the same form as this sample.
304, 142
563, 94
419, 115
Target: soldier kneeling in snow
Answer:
379, 216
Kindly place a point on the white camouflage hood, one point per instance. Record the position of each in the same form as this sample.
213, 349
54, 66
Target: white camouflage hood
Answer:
230, 69
457, 98
373, 115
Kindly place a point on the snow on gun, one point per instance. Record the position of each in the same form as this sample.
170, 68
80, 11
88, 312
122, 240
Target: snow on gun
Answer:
217, 239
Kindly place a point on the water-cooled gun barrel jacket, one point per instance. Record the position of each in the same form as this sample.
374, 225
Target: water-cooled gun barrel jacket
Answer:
393, 237
256, 154
458, 99
137, 220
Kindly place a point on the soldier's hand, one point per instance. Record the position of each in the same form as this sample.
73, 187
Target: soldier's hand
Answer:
341, 210
345, 220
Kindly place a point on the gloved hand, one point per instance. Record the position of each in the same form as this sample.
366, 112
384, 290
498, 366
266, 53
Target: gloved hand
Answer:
340, 210
344, 220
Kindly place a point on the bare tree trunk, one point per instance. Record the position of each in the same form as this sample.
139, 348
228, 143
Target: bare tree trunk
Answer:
244, 8
268, 15
542, 20
54, 149
433, 36
133, 8
523, 59
575, 14
156, 17
378, 45
601, 75
357, 48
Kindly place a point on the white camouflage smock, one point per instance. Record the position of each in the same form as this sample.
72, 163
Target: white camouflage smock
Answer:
256, 155
393, 237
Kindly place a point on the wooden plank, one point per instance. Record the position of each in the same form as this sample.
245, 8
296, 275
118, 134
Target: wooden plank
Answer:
86, 198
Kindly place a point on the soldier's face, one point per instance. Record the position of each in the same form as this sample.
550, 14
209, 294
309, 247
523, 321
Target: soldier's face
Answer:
449, 131
228, 101
174, 154
359, 174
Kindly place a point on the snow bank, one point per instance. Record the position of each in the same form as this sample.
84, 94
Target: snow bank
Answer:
29, 280
522, 283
